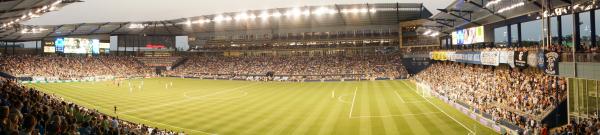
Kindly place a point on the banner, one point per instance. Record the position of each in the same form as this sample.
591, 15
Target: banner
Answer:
521, 59
490, 58
504, 56
510, 58
474, 57
450, 56
551, 60
532, 58
541, 60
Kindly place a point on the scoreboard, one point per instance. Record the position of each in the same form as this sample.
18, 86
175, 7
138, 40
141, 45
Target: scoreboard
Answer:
76, 46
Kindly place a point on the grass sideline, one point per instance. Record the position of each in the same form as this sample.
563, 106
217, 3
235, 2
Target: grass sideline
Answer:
243, 107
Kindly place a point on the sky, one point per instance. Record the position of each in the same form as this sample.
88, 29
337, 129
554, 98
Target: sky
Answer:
93, 11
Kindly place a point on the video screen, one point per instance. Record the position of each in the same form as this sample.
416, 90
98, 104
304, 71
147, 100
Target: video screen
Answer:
78, 45
468, 36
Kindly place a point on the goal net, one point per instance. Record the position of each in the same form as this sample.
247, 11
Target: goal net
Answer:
423, 89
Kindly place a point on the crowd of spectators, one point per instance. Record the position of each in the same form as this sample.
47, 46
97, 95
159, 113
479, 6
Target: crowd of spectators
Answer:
67, 68
317, 67
25, 111
518, 96
582, 126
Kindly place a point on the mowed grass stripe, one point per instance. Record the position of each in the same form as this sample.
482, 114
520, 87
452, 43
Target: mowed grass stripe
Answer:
184, 100
444, 123
313, 119
296, 110
270, 107
415, 126
431, 121
396, 107
478, 128
338, 113
363, 100
299, 111
250, 112
389, 125
267, 114
200, 112
232, 111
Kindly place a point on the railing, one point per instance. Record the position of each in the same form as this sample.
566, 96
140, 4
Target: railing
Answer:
501, 126
580, 57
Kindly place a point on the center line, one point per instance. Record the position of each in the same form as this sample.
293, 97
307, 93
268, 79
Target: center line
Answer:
352, 106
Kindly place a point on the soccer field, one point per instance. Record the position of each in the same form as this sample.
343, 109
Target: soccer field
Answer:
259, 108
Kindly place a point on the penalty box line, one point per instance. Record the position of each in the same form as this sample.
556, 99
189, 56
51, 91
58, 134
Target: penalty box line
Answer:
188, 99
383, 116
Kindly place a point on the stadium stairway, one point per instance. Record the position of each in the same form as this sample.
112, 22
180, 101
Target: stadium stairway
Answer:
180, 62
557, 116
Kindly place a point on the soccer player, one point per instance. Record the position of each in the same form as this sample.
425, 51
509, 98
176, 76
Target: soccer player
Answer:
115, 109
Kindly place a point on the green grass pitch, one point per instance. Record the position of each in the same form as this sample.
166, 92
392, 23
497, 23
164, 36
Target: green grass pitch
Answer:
260, 108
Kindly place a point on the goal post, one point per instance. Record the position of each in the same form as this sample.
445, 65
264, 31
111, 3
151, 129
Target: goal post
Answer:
423, 89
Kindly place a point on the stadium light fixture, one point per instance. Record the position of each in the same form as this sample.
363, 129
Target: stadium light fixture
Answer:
427, 32
491, 3
293, 12
276, 14
306, 12
252, 16
219, 18
321, 10
264, 15
373, 10
511, 7
228, 18
241, 16
364, 10
137, 26
435, 34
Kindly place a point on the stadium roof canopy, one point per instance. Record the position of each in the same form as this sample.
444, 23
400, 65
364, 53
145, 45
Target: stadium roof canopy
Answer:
469, 13
277, 18
14, 11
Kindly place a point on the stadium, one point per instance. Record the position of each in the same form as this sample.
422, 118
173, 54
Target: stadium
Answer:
451, 67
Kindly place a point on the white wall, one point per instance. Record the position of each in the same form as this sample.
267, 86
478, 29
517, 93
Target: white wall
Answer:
114, 43
181, 43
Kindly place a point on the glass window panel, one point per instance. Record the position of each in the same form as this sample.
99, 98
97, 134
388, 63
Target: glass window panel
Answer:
572, 96
533, 34
597, 17
514, 34
567, 29
585, 30
592, 98
501, 35
554, 30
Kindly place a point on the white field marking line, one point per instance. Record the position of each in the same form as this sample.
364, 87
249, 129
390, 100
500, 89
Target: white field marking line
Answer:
352, 106
332, 94
401, 99
463, 125
184, 100
340, 98
416, 101
245, 93
402, 115
169, 125
97, 108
